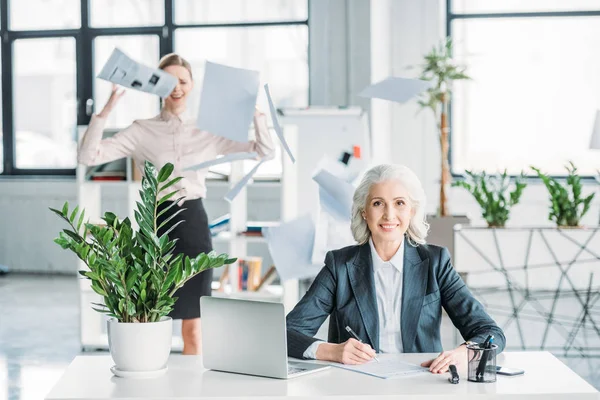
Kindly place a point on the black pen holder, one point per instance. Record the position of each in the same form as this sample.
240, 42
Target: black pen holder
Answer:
482, 363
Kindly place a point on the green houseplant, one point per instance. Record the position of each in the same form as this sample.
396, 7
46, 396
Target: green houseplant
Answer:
135, 271
567, 207
492, 195
442, 71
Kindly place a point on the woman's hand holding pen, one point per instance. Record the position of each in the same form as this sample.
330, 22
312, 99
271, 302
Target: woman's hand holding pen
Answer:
440, 364
350, 352
115, 95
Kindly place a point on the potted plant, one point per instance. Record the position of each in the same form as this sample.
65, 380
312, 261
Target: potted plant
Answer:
440, 69
566, 207
136, 273
491, 193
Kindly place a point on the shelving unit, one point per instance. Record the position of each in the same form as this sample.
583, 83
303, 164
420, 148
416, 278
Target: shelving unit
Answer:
288, 292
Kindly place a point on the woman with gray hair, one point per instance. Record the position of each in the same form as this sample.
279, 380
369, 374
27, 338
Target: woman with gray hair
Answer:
385, 294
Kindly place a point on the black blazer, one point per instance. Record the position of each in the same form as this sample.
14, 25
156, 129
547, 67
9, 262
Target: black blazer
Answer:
345, 291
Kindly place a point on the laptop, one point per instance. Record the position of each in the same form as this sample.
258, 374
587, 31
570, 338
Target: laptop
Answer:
248, 337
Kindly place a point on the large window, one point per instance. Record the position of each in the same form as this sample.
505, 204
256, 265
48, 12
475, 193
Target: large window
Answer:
50, 59
535, 87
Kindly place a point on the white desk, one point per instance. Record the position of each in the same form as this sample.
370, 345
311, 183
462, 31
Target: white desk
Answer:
89, 377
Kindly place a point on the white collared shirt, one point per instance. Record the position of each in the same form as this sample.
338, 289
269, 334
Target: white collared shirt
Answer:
388, 292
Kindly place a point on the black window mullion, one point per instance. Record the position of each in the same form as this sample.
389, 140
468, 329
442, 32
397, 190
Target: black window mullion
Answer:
7, 104
166, 38
84, 66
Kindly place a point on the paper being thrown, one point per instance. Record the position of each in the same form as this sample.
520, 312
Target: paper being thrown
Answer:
228, 101
124, 71
395, 89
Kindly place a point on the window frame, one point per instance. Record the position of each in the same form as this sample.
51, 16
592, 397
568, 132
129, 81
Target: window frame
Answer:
451, 16
84, 39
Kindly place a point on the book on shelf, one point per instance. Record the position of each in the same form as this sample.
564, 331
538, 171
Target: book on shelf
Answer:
267, 278
108, 176
248, 270
111, 171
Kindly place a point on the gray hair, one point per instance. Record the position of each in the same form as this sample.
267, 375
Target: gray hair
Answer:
418, 227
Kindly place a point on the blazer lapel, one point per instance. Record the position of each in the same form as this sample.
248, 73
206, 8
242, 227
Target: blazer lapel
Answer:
414, 284
363, 285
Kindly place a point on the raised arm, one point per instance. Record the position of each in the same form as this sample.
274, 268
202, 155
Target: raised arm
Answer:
263, 145
93, 150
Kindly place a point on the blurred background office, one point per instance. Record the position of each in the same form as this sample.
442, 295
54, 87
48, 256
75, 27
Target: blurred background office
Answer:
535, 88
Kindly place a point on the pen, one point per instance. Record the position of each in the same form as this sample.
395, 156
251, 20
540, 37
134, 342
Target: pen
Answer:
350, 331
484, 358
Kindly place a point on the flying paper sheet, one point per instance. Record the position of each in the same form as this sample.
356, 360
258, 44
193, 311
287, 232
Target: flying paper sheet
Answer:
225, 159
335, 195
395, 89
290, 245
334, 211
236, 189
228, 101
122, 70
276, 125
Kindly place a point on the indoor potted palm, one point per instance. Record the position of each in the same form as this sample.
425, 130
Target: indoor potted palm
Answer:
441, 70
136, 273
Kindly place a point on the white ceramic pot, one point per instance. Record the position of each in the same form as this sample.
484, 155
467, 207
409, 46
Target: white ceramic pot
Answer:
140, 347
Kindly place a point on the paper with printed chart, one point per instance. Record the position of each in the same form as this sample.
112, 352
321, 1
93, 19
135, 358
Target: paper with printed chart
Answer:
250, 155
389, 366
290, 245
276, 125
332, 223
395, 89
124, 71
228, 101
237, 188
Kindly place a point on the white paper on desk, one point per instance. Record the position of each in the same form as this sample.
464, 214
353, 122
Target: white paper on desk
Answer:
237, 188
290, 245
124, 71
389, 366
395, 89
228, 101
224, 159
276, 125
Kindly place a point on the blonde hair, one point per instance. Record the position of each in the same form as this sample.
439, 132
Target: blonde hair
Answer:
175, 59
418, 227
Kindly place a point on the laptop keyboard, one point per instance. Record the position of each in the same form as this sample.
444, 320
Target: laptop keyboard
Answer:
295, 370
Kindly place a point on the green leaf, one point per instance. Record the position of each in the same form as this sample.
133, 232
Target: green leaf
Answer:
65, 210
170, 183
167, 197
165, 172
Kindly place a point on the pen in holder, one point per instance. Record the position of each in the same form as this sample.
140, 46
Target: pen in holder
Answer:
482, 363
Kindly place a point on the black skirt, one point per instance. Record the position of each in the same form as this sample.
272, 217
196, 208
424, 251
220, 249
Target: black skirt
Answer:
193, 238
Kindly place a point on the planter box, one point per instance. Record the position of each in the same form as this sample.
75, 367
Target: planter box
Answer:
541, 285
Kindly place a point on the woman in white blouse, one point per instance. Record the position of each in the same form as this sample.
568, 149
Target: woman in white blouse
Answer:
169, 137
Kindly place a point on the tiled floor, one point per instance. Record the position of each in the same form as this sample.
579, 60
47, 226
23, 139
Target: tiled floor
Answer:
39, 322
